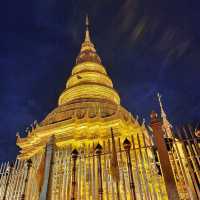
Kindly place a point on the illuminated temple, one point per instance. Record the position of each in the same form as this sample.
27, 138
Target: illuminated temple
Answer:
91, 148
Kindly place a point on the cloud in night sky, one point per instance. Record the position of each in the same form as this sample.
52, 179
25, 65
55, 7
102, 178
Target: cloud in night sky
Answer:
147, 47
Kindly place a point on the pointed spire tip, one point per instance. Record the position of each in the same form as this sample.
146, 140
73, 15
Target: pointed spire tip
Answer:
87, 20
159, 95
87, 33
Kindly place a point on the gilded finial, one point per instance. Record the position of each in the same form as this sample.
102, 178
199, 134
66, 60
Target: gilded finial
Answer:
87, 32
160, 102
18, 135
166, 124
159, 96
163, 114
88, 51
87, 21
36, 125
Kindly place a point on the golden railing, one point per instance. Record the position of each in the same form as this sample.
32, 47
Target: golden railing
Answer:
184, 154
97, 175
132, 168
18, 181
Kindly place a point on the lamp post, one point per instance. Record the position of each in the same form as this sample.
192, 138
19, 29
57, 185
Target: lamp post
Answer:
74, 156
127, 147
100, 185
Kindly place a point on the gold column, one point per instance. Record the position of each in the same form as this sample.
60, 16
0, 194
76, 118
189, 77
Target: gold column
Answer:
29, 165
8, 180
47, 179
74, 155
164, 157
100, 185
127, 147
114, 165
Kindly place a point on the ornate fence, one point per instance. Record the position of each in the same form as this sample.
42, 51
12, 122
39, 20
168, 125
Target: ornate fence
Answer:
136, 167
18, 181
184, 154
96, 172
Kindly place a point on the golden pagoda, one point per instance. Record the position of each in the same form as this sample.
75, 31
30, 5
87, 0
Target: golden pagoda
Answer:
87, 108
90, 147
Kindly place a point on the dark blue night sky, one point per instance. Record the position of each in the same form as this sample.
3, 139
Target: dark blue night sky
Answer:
146, 45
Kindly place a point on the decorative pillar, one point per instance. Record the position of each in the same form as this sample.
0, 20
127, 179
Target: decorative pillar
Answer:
114, 165
164, 157
49, 154
100, 185
29, 165
127, 147
8, 180
74, 155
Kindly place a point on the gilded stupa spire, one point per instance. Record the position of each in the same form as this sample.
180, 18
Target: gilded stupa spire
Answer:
89, 79
72, 155
88, 51
87, 31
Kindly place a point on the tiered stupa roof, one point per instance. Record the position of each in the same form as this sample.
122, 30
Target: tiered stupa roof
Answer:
87, 108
